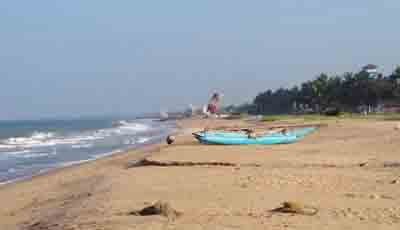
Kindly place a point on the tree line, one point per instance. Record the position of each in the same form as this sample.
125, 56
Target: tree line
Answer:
346, 92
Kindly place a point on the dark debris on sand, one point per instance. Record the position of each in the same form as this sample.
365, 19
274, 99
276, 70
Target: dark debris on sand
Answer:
159, 208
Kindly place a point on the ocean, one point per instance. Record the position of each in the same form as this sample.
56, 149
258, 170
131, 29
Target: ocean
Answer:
28, 148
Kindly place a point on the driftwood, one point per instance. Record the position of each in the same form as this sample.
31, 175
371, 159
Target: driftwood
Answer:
146, 162
391, 164
296, 208
378, 164
159, 208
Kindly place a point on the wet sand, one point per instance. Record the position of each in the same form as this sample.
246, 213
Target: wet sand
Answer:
339, 170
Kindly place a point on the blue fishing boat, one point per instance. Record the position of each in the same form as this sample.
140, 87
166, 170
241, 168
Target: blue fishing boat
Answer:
242, 138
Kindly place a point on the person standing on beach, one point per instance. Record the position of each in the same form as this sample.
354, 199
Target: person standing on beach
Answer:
212, 107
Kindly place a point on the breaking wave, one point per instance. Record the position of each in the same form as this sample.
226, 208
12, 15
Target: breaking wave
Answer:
41, 148
79, 140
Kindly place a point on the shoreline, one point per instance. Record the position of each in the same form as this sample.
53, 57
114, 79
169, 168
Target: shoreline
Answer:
36, 150
75, 164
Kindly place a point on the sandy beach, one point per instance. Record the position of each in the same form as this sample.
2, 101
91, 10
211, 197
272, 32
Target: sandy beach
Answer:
340, 170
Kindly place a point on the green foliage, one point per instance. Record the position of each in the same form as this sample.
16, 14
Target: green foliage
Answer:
244, 115
306, 117
345, 92
246, 108
343, 116
272, 118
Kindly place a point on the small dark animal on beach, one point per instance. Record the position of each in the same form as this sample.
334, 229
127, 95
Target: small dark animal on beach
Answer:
170, 140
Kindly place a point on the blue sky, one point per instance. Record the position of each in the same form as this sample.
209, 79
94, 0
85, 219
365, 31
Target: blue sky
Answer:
72, 58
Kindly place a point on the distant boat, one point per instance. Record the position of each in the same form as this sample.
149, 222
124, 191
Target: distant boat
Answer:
164, 116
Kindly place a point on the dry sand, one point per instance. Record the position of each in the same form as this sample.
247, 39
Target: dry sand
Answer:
323, 171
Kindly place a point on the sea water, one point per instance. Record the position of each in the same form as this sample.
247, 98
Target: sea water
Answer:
29, 148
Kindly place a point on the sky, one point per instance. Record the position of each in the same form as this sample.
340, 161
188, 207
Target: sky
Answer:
82, 58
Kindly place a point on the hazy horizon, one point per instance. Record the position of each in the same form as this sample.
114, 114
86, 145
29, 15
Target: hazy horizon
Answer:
91, 58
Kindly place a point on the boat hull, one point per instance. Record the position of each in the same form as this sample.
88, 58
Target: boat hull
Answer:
238, 138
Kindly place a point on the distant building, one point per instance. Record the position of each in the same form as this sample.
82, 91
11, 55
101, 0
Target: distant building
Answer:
372, 70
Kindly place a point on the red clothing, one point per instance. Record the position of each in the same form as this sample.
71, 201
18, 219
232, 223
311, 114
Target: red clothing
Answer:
212, 108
